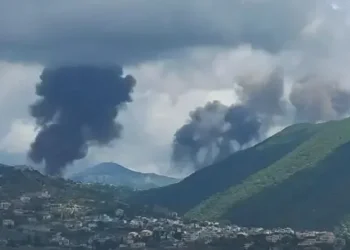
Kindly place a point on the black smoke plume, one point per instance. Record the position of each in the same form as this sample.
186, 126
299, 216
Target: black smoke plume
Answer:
77, 107
219, 130
214, 130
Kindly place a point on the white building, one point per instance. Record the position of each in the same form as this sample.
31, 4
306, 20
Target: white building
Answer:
5, 205
32, 220
62, 241
92, 225
138, 245
8, 223
44, 195
47, 217
146, 233
132, 235
136, 223
18, 212
25, 199
104, 218
119, 212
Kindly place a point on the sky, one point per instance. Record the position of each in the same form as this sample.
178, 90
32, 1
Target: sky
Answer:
182, 54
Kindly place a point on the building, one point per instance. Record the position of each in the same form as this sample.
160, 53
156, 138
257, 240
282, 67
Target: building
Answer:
32, 220
25, 199
119, 212
18, 212
47, 217
138, 245
44, 195
8, 223
5, 205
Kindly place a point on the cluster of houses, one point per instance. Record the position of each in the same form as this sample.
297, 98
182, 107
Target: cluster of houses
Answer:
62, 217
35, 219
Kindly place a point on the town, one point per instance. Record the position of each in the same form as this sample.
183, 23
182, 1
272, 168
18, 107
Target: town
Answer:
48, 218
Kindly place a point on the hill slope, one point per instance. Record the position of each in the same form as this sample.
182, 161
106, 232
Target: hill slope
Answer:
115, 174
322, 149
17, 181
295, 178
217, 178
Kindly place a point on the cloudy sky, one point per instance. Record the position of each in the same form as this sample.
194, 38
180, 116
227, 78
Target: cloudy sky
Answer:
182, 53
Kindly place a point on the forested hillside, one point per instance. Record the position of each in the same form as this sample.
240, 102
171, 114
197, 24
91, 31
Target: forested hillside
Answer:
298, 178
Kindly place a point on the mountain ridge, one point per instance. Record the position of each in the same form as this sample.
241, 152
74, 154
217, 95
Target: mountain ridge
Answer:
115, 174
297, 156
271, 172
207, 177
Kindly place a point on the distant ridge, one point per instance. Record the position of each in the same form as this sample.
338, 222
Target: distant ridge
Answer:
115, 174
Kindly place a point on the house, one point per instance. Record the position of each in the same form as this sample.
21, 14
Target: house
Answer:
119, 212
104, 218
189, 237
25, 199
132, 236
5, 205
146, 233
18, 211
44, 195
47, 217
32, 220
62, 241
138, 245
135, 223
8, 223
78, 224
92, 225
174, 215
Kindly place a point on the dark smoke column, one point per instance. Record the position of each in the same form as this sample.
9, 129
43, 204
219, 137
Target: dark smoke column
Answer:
78, 106
213, 129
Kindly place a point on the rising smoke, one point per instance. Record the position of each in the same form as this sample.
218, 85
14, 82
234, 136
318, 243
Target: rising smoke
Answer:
240, 43
213, 132
77, 107
317, 98
219, 130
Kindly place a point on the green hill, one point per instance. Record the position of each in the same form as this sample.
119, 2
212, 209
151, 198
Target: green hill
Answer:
299, 178
16, 181
219, 177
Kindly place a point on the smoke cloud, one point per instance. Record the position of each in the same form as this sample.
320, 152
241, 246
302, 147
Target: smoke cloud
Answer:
214, 130
284, 62
319, 99
77, 107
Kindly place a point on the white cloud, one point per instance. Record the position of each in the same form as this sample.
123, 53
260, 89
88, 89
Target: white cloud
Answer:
17, 84
18, 138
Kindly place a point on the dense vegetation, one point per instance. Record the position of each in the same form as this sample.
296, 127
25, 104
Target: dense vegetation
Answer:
322, 147
15, 181
201, 185
297, 178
